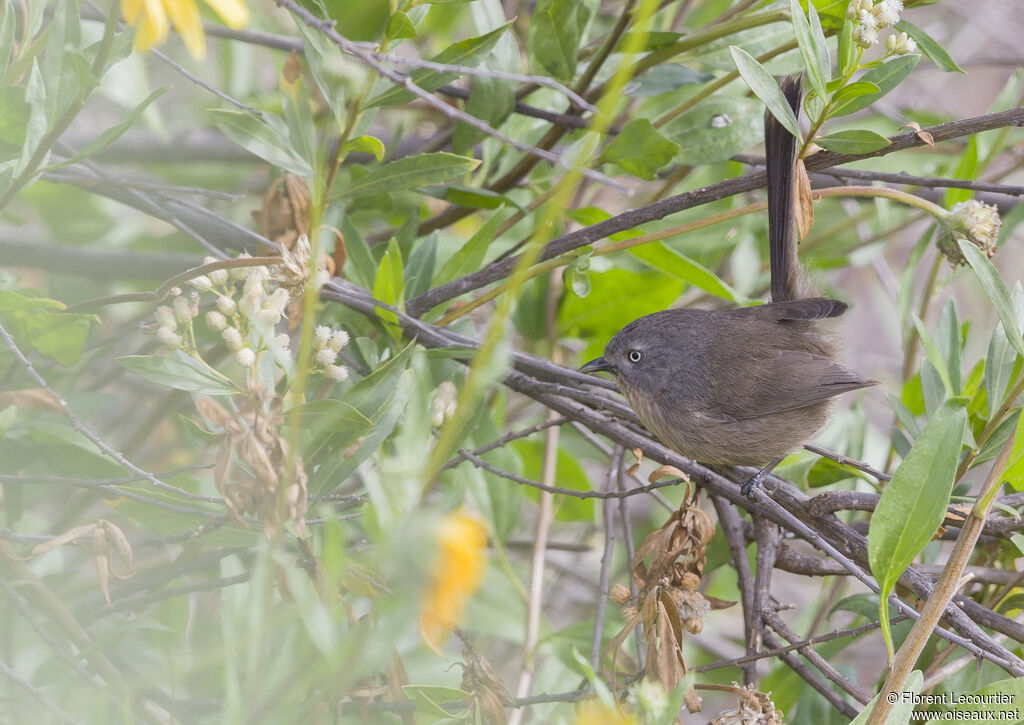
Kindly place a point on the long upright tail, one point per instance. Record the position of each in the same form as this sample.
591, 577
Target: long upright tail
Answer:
780, 155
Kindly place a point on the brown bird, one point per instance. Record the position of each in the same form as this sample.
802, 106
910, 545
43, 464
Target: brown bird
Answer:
745, 386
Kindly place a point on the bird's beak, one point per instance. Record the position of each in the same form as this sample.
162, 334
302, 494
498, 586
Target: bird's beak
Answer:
597, 365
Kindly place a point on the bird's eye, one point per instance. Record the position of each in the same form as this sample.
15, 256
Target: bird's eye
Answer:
634, 356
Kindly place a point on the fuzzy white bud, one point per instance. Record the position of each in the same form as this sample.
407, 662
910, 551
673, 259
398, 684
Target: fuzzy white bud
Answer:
245, 357
219, 276
339, 338
326, 356
888, 12
232, 338
269, 316
337, 373
182, 310
227, 306
216, 321
250, 305
169, 337
165, 316
201, 283
278, 300
321, 335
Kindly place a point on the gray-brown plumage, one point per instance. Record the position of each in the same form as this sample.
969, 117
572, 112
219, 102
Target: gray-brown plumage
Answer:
745, 386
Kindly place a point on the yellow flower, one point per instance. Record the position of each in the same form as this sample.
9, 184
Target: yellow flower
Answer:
595, 712
458, 570
152, 19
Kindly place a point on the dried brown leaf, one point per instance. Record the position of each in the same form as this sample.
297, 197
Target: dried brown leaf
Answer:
37, 398
667, 472
804, 206
66, 538
925, 136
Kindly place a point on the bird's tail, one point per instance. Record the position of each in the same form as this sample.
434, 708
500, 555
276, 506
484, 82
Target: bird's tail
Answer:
780, 159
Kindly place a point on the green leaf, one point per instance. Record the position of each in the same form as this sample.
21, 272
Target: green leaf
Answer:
716, 129
399, 26
364, 144
1014, 473
817, 73
667, 260
467, 52
470, 255
491, 100
15, 114
966, 168
258, 138
37, 322
381, 397
904, 707
359, 19
914, 502
556, 28
1001, 357
847, 49
853, 142
411, 172
764, 87
388, 287
933, 355
639, 149
860, 88
993, 285
984, 703
427, 698
178, 374
930, 47
663, 79
111, 134
886, 77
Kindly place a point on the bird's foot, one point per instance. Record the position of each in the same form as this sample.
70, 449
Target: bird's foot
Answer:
757, 480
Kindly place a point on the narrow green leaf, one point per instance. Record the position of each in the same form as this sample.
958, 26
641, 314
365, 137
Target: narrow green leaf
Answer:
860, 88
993, 285
409, 173
933, 355
178, 374
765, 87
816, 73
258, 138
966, 168
1014, 473
847, 49
639, 149
111, 134
470, 255
15, 114
663, 258
388, 287
1001, 357
886, 77
930, 47
364, 144
853, 142
467, 52
820, 42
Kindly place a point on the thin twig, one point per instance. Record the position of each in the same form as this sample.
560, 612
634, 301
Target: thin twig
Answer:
604, 578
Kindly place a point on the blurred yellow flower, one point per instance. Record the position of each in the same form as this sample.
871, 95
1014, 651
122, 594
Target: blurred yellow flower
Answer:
151, 19
595, 712
458, 570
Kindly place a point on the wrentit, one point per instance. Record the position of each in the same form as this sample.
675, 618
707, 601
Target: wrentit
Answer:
745, 386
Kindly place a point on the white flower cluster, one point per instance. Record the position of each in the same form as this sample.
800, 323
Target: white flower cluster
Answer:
328, 343
870, 19
245, 324
249, 303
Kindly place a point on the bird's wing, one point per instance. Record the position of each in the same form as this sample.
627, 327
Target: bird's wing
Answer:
790, 379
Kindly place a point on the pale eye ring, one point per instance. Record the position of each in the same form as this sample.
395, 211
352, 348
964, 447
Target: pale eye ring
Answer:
634, 356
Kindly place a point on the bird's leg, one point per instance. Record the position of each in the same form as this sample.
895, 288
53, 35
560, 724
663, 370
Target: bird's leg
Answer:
755, 481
